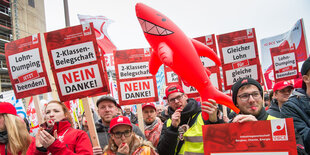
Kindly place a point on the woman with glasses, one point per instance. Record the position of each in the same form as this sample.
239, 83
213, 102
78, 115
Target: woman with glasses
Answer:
57, 136
124, 141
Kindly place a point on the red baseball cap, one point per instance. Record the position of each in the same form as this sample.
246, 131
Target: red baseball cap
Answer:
119, 120
7, 108
177, 87
281, 85
152, 105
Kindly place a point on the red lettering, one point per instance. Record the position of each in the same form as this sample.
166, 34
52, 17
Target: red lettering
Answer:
76, 76
88, 73
146, 85
128, 87
67, 78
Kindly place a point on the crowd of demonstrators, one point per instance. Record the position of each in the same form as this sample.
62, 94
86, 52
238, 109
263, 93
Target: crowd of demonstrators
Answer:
152, 124
128, 113
107, 110
124, 141
57, 135
247, 95
281, 92
298, 106
182, 132
14, 136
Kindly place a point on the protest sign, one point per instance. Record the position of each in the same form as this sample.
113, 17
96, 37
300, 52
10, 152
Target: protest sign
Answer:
134, 81
239, 56
26, 67
268, 137
295, 36
284, 62
76, 62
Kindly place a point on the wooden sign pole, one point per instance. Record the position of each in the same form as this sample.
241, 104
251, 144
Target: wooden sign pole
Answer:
38, 109
90, 122
140, 117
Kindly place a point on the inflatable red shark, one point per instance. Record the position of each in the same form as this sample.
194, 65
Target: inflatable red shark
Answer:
174, 49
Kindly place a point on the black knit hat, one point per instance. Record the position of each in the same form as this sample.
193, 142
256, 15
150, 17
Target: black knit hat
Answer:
304, 70
106, 98
244, 81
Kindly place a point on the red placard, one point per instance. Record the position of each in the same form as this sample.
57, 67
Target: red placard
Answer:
269, 137
134, 81
239, 56
26, 67
284, 63
76, 63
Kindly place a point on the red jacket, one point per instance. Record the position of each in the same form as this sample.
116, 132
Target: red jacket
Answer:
70, 141
32, 144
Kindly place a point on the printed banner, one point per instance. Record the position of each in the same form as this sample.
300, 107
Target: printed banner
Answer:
26, 68
295, 36
76, 62
239, 56
106, 47
134, 81
269, 137
284, 62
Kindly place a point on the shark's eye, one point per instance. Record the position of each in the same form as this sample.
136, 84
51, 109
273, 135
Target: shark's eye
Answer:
164, 19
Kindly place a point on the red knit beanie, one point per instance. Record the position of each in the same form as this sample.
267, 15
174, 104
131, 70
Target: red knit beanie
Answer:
7, 108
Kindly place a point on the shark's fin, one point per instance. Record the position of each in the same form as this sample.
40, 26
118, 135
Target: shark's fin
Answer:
185, 82
165, 54
204, 50
208, 72
154, 63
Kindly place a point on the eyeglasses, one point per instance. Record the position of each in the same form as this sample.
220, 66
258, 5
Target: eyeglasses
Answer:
246, 96
126, 133
173, 100
286, 90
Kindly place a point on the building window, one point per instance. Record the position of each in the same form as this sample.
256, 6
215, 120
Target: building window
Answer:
31, 3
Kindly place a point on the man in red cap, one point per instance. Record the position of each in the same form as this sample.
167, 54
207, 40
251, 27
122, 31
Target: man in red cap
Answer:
182, 132
282, 91
152, 124
298, 106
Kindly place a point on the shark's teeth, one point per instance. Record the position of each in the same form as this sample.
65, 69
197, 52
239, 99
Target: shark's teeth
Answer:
153, 29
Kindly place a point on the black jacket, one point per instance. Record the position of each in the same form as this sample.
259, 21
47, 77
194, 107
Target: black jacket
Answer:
274, 109
169, 136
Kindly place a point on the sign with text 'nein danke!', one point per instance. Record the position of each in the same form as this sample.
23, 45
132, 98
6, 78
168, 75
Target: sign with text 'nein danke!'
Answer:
284, 62
239, 56
26, 67
136, 84
75, 62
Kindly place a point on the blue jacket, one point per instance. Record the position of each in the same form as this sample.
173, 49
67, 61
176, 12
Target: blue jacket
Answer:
298, 107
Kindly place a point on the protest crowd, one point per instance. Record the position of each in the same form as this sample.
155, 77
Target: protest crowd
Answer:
138, 121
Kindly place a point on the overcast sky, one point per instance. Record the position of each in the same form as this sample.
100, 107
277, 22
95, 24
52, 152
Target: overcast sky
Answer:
196, 18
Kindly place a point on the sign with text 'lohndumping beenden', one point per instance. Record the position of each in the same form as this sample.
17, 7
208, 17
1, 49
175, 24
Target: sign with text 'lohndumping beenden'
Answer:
26, 67
268, 137
284, 63
136, 84
75, 62
239, 56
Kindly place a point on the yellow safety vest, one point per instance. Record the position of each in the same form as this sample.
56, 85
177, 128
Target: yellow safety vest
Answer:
269, 117
193, 142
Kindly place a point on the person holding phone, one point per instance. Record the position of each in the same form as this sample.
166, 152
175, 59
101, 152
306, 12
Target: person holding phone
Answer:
14, 136
56, 135
124, 141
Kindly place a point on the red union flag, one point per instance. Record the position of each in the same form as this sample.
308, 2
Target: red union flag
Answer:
101, 24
